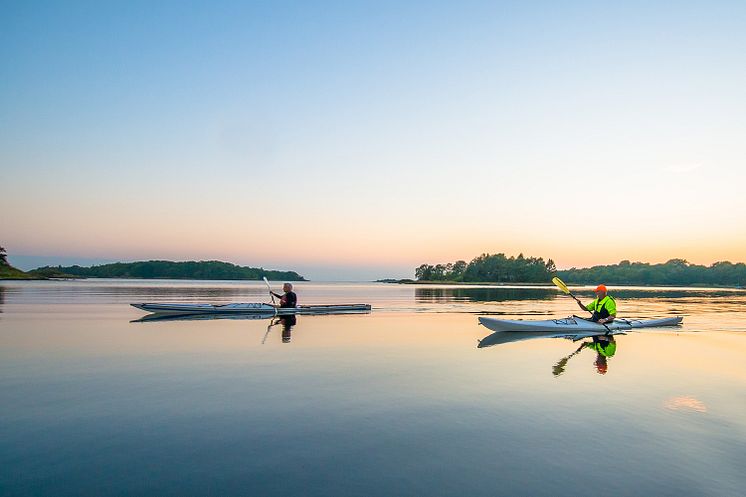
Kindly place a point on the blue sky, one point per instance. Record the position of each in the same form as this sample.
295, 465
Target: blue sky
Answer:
360, 139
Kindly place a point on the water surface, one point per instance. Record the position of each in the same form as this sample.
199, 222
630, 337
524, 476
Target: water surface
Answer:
396, 402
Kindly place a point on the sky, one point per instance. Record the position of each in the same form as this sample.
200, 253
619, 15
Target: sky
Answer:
358, 140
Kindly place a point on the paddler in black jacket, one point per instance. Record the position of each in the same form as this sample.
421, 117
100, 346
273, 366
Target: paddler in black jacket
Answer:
603, 308
289, 298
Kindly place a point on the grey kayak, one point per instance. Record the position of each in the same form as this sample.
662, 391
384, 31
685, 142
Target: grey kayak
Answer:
249, 308
574, 325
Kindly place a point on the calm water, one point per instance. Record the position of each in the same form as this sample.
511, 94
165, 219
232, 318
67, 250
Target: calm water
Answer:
396, 402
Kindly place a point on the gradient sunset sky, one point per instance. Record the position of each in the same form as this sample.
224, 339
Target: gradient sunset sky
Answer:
357, 140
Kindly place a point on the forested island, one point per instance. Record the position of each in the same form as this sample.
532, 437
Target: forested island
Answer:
8, 272
190, 270
493, 268
498, 268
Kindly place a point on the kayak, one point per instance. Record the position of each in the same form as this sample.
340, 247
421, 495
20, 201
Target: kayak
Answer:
250, 308
575, 325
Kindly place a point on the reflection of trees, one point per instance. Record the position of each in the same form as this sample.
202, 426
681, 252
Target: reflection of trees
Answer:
2, 298
502, 294
637, 293
482, 294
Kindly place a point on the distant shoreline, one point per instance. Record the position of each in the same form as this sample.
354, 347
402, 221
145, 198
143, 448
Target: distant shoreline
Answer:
154, 270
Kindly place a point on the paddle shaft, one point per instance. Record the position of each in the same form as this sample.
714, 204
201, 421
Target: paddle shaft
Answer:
559, 368
269, 288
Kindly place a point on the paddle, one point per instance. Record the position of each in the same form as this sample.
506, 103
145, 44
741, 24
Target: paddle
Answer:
269, 288
561, 285
559, 368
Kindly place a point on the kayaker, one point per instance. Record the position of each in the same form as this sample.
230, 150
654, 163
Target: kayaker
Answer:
603, 307
289, 298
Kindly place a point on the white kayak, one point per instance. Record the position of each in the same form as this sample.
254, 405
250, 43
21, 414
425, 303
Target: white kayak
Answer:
249, 308
575, 325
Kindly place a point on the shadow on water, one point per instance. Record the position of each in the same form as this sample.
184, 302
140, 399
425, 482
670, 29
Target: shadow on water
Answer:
2, 298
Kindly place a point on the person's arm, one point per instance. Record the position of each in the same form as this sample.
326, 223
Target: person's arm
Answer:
584, 307
276, 295
607, 319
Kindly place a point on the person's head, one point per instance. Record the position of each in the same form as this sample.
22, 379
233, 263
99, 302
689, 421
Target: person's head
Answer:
287, 287
601, 364
600, 291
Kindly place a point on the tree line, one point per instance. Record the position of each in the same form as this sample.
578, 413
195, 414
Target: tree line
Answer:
193, 270
497, 268
672, 272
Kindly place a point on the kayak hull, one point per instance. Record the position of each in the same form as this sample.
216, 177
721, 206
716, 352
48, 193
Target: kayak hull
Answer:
248, 308
574, 325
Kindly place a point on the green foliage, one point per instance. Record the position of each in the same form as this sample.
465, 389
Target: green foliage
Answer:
8, 272
497, 268
47, 272
490, 268
202, 270
674, 272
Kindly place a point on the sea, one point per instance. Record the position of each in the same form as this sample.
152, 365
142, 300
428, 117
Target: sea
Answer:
400, 401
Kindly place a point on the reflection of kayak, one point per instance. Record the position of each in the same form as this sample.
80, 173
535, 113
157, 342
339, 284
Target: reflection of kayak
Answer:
163, 316
574, 325
249, 308
500, 337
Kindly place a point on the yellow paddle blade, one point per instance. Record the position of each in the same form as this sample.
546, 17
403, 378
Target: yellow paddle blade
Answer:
561, 285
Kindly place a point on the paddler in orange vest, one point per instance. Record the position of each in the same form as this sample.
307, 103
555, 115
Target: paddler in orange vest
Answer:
603, 307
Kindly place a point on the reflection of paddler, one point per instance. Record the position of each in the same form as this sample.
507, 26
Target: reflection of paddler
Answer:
287, 322
287, 326
605, 347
